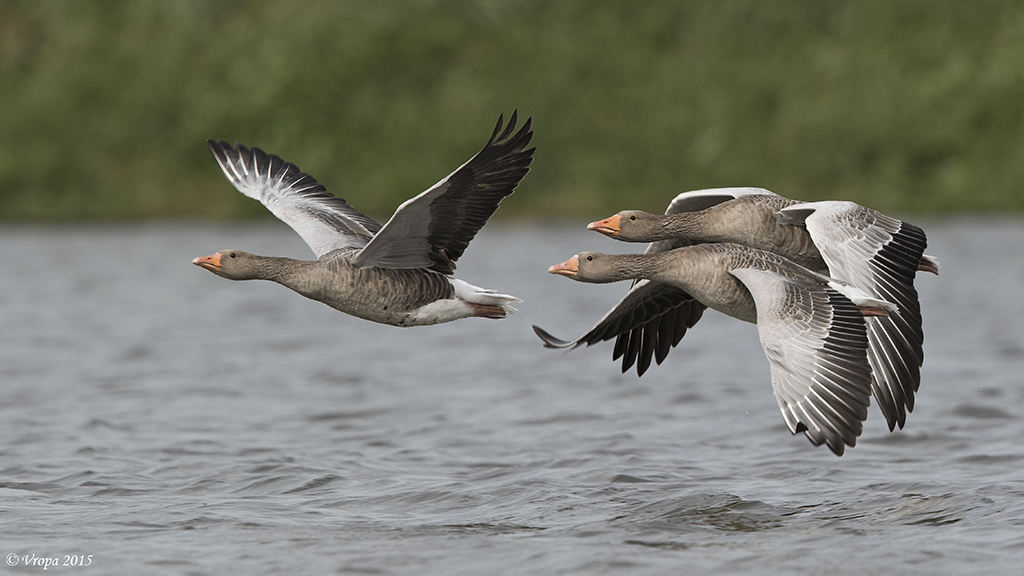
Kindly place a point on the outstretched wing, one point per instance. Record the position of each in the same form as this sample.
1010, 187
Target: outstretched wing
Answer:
433, 229
650, 320
815, 341
881, 256
323, 220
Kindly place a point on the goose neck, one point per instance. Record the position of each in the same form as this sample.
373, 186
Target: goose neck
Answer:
691, 225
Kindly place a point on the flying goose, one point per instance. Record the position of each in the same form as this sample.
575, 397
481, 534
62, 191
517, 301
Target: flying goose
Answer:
860, 246
398, 273
812, 327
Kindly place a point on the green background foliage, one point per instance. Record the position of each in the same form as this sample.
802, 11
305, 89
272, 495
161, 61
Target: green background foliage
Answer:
909, 106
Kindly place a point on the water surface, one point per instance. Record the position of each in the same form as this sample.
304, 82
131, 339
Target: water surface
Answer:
167, 421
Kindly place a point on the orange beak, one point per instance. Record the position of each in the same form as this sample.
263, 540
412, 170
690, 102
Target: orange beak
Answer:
568, 268
211, 262
609, 226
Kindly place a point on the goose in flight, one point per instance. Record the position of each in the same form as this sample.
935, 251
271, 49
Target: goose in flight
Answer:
812, 327
858, 245
398, 273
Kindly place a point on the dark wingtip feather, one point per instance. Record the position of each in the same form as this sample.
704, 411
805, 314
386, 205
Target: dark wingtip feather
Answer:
632, 350
510, 126
837, 448
550, 341
495, 137
621, 341
497, 128
220, 148
521, 138
648, 341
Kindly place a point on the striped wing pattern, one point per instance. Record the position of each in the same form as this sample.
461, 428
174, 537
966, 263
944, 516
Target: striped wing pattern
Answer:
879, 254
324, 221
816, 345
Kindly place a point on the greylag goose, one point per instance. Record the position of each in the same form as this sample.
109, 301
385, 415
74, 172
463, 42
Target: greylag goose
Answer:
812, 327
398, 273
844, 240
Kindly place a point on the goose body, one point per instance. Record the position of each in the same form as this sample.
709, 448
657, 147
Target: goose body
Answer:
812, 327
399, 273
843, 240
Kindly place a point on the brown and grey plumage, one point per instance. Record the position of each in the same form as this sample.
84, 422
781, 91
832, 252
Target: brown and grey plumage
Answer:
863, 247
639, 342
811, 327
398, 273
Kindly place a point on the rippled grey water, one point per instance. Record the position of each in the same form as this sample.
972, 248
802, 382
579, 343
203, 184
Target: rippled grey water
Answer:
166, 421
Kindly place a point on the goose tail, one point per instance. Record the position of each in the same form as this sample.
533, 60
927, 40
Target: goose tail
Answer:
487, 299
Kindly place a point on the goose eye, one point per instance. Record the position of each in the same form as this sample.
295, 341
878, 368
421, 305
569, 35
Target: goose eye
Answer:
632, 216
231, 255
589, 258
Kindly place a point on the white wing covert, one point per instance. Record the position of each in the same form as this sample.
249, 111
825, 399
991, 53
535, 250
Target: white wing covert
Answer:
324, 221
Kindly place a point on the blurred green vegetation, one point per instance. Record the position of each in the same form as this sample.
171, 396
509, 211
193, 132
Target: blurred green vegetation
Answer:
912, 106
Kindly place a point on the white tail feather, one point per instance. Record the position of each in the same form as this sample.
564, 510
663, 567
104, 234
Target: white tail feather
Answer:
466, 291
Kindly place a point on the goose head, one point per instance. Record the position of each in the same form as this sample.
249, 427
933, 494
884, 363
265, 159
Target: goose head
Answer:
233, 264
628, 225
594, 267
